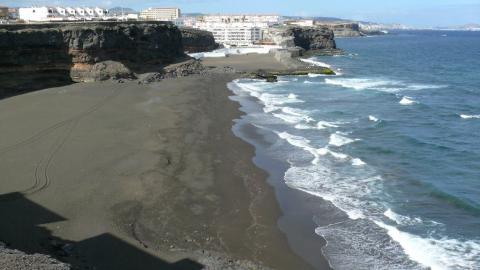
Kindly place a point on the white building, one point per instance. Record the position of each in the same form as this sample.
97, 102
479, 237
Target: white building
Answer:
233, 34
268, 19
39, 14
301, 23
71, 11
160, 14
100, 12
46, 14
237, 30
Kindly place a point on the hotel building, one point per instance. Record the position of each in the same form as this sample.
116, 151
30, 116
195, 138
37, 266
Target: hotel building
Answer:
237, 30
160, 14
234, 34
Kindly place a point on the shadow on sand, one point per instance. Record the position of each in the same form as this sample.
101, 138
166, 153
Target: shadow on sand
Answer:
21, 228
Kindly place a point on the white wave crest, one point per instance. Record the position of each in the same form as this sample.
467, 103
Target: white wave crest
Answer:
438, 254
338, 140
313, 75
358, 162
379, 84
314, 62
467, 116
401, 220
272, 102
407, 101
373, 118
300, 142
320, 125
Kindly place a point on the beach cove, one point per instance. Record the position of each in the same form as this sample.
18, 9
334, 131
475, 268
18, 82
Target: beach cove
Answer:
154, 169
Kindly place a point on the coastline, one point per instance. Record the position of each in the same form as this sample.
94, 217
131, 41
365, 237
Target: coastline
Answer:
150, 168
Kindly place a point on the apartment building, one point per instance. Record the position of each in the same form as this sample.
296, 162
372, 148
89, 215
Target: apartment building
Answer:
233, 34
160, 14
260, 19
48, 14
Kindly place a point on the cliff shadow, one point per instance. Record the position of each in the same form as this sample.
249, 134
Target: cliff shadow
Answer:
21, 228
21, 82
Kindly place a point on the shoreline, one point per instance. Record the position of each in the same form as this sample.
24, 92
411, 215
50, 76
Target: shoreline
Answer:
144, 171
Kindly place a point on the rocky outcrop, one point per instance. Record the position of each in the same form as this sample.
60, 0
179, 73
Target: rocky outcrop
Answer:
87, 51
18, 260
195, 40
187, 68
308, 38
345, 29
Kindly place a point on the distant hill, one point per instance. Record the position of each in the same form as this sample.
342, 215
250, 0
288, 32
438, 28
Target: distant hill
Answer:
321, 19
466, 27
193, 14
116, 11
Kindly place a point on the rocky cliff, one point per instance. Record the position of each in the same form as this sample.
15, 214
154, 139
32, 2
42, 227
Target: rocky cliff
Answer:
85, 51
308, 38
195, 40
345, 29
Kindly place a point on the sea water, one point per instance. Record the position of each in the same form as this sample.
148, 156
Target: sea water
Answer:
393, 141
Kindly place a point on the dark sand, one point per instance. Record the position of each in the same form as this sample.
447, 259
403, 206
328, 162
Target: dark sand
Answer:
139, 177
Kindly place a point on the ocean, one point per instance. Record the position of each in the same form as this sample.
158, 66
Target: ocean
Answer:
392, 141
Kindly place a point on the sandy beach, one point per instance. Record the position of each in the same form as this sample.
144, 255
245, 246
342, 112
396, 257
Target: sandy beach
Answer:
130, 176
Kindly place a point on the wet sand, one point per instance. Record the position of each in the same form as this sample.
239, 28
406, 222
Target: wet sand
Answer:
129, 176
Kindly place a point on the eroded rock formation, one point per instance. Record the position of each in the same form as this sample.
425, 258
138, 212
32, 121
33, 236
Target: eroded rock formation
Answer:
308, 38
85, 51
195, 40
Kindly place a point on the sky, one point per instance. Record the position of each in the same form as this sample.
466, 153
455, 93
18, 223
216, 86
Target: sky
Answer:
420, 13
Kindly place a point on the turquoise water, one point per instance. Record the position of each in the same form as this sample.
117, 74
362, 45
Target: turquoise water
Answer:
393, 141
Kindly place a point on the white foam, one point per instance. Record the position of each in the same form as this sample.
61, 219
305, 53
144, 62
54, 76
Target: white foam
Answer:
438, 254
300, 142
325, 124
362, 84
320, 125
346, 193
467, 116
314, 62
373, 118
338, 140
314, 75
310, 82
400, 219
407, 101
292, 96
379, 84
358, 162
292, 119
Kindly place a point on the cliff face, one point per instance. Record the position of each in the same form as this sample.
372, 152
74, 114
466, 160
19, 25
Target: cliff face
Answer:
345, 29
84, 50
195, 40
308, 38
313, 38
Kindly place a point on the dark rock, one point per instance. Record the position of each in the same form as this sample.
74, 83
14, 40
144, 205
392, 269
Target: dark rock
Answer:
101, 72
308, 38
151, 77
82, 49
345, 29
312, 38
195, 40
